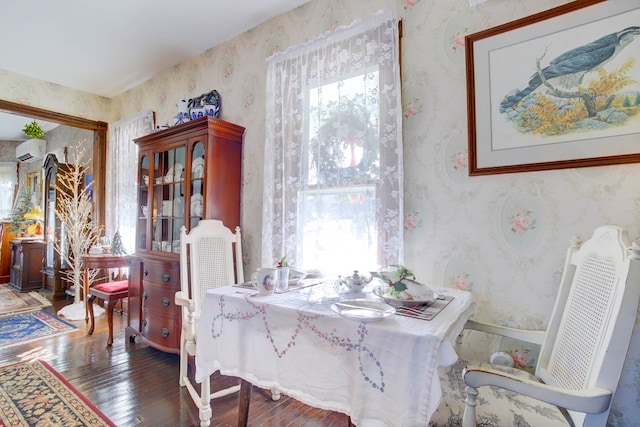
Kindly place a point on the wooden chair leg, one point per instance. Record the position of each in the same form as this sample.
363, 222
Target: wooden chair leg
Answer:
91, 316
243, 403
110, 306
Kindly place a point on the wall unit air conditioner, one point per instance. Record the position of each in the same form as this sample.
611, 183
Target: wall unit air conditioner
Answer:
31, 150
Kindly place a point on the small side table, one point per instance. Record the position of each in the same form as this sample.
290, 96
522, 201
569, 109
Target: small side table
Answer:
26, 264
93, 261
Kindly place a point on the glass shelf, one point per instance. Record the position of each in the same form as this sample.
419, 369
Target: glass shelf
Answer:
186, 173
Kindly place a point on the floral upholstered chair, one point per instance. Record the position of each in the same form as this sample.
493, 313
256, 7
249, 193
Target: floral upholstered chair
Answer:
582, 351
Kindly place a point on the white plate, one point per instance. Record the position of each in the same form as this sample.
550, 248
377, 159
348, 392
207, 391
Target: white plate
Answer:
363, 310
197, 168
424, 297
198, 171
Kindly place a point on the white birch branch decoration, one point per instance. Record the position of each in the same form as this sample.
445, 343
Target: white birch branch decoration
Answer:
74, 209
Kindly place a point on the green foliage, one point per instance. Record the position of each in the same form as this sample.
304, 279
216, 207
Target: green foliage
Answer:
23, 205
33, 130
116, 245
342, 123
283, 262
627, 102
402, 273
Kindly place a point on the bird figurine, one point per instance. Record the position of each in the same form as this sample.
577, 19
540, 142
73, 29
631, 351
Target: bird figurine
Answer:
568, 69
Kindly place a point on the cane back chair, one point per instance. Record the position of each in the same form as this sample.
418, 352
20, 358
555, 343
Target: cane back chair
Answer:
208, 254
581, 355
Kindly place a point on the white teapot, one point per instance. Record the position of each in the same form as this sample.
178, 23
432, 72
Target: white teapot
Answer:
356, 282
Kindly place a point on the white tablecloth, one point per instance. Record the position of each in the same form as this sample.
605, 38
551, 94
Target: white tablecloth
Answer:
379, 373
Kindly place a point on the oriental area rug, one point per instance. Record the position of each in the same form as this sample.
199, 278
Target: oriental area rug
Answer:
13, 302
34, 394
21, 328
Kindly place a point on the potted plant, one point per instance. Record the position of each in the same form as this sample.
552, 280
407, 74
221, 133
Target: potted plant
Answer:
33, 130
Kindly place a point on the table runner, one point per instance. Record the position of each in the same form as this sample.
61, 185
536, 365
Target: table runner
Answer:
379, 373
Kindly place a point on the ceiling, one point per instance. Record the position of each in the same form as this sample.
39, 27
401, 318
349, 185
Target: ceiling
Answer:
108, 47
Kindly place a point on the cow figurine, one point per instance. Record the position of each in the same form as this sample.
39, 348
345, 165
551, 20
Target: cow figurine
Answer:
183, 112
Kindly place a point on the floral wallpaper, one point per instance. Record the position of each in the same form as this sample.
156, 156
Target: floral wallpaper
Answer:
503, 237
8, 151
50, 96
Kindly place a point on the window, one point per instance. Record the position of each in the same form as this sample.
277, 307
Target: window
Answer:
333, 151
8, 177
121, 176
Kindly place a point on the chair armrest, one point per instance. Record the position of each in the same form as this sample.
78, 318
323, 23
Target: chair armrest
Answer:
534, 337
185, 302
592, 400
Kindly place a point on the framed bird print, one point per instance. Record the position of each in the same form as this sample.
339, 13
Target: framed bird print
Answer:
559, 89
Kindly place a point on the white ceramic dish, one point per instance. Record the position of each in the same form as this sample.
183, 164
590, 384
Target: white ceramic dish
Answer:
197, 168
363, 310
424, 297
174, 174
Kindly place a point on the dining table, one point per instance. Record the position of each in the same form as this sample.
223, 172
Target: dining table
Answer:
376, 364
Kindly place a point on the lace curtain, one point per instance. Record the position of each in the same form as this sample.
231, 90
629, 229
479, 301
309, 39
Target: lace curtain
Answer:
121, 176
333, 151
8, 177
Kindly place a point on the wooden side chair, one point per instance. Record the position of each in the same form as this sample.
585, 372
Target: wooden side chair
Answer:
581, 355
111, 292
206, 261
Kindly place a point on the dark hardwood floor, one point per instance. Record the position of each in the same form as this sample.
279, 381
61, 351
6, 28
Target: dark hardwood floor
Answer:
136, 385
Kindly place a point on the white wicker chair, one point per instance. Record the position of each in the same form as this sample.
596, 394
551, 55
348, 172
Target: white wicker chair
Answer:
582, 351
206, 262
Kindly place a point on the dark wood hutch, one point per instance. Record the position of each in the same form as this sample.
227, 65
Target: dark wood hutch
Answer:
185, 173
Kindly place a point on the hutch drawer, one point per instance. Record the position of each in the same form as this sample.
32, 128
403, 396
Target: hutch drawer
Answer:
161, 331
160, 298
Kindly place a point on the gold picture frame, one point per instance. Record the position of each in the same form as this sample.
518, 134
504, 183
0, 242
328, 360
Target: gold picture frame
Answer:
34, 186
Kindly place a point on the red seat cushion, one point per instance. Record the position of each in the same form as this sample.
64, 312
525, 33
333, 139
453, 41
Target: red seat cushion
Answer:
112, 287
